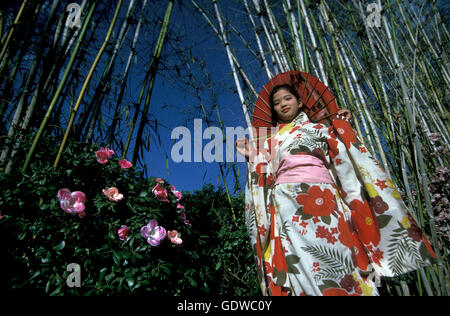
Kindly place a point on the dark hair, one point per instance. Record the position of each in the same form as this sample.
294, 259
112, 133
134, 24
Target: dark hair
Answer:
287, 87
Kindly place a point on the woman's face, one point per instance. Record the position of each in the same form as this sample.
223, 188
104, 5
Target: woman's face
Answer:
285, 105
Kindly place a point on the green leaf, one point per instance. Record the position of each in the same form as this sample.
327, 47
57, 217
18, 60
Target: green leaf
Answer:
130, 280
102, 273
60, 246
22, 236
141, 249
46, 260
143, 194
37, 273
116, 258
191, 281
47, 286
110, 276
56, 291
166, 269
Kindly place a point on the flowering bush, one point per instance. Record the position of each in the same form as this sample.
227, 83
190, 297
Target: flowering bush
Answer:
204, 251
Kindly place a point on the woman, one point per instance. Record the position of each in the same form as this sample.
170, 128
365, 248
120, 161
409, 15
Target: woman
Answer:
323, 218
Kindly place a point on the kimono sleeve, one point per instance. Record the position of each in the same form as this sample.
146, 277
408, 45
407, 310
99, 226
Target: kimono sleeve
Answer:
386, 229
257, 194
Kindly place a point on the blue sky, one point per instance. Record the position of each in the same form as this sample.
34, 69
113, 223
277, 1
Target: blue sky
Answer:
173, 103
176, 107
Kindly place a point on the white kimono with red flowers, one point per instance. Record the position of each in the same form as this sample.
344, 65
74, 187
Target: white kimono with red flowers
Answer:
316, 236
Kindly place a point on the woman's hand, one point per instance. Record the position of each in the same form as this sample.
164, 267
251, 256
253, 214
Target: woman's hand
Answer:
344, 114
243, 146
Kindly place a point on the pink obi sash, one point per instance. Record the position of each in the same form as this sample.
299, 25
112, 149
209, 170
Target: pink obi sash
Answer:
302, 169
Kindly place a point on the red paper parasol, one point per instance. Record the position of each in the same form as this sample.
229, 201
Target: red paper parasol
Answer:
320, 102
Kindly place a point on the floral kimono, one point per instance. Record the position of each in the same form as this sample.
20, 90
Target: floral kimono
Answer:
323, 218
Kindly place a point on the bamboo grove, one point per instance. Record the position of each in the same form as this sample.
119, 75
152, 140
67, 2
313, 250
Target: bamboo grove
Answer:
61, 61
386, 61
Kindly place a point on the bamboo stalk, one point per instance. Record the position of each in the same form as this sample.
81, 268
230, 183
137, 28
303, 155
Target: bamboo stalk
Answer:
258, 41
277, 62
86, 83
294, 32
232, 65
153, 70
60, 87
302, 38
30, 79
341, 70
236, 79
209, 128
104, 83
122, 83
233, 57
386, 108
323, 76
10, 34
149, 72
423, 173
372, 127
279, 40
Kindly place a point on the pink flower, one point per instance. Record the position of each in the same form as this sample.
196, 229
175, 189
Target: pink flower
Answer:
72, 203
160, 193
183, 217
153, 233
159, 180
179, 206
113, 194
125, 164
104, 154
176, 193
173, 236
123, 232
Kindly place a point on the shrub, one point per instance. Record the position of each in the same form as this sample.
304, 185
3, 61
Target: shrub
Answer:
39, 239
